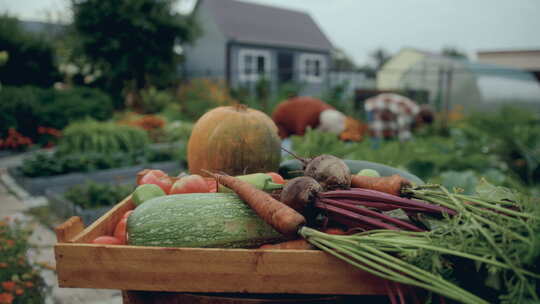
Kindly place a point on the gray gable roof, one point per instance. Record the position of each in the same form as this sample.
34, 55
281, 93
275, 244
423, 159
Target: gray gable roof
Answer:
267, 25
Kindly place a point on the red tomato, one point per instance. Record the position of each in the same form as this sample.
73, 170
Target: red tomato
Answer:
164, 182
120, 230
276, 178
212, 184
107, 240
190, 184
126, 215
141, 174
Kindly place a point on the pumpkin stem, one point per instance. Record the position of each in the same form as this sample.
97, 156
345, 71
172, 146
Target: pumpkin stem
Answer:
240, 107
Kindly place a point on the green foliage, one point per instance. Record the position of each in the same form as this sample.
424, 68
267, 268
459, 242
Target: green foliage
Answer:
132, 40
31, 57
502, 147
74, 104
51, 164
27, 108
200, 95
101, 137
16, 270
94, 195
177, 131
154, 100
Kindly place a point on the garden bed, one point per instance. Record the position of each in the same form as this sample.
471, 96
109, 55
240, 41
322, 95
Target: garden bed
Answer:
38, 185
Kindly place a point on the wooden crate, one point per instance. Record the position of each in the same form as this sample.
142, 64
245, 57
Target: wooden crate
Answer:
82, 264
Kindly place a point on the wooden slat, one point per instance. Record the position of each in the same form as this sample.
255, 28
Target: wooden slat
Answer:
209, 270
105, 225
70, 228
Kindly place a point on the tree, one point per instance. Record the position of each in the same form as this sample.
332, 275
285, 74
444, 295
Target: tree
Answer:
342, 61
453, 52
379, 57
131, 41
31, 57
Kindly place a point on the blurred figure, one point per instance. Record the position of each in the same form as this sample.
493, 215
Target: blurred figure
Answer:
392, 116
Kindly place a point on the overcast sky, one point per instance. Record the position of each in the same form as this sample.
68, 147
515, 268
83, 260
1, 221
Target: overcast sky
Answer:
360, 26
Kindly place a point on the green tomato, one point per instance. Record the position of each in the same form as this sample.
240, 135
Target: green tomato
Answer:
368, 172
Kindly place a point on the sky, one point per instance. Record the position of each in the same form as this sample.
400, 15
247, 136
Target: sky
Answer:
360, 26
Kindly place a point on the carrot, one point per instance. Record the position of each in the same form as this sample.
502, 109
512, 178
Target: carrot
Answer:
120, 230
275, 213
389, 184
299, 244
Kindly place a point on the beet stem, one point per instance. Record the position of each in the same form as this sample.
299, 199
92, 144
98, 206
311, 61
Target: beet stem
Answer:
381, 205
358, 193
355, 216
371, 213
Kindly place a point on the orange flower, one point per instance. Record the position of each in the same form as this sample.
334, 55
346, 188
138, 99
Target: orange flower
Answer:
3, 265
6, 298
29, 284
8, 285
19, 291
10, 243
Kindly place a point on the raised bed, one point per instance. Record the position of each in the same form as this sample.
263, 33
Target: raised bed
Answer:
157, 269
65, 208
38, 185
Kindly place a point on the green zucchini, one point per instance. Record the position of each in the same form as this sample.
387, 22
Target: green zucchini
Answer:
293, 168
219, 220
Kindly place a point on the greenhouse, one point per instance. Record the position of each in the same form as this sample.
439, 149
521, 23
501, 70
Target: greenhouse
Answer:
450, 82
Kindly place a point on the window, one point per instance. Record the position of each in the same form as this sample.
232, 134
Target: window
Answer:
312, 67
253, 64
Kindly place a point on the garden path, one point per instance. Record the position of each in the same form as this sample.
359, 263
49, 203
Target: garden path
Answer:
17, 203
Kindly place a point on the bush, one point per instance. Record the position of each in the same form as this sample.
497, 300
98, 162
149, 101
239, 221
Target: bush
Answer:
29, 109
154, 101
94, 195
20, 281
74, 104
200, 95
101, 137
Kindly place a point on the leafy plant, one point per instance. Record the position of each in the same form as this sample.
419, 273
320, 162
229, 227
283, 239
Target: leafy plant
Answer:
20, 281
154, 100
101, 137
201, 95
94, 195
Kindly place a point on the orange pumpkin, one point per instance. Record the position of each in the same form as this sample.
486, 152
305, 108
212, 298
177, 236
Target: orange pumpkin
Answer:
235, 140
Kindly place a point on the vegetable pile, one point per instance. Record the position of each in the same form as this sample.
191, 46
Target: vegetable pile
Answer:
427, 242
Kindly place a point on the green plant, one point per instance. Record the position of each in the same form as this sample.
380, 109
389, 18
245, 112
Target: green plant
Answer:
66, 106
20, 281
154, 100
94, 195
200, 95
101, 137
178, 131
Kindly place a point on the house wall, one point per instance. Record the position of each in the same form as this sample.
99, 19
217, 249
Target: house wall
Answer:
308, 88
206, 56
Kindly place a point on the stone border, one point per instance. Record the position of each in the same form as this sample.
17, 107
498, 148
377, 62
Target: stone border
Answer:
64, 208
38, 185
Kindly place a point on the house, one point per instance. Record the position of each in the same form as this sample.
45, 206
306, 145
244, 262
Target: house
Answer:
243, 43
451, 82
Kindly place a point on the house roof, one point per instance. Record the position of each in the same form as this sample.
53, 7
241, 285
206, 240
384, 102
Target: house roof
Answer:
267, 25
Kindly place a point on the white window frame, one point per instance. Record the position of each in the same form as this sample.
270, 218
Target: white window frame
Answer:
307, 67
254, 75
